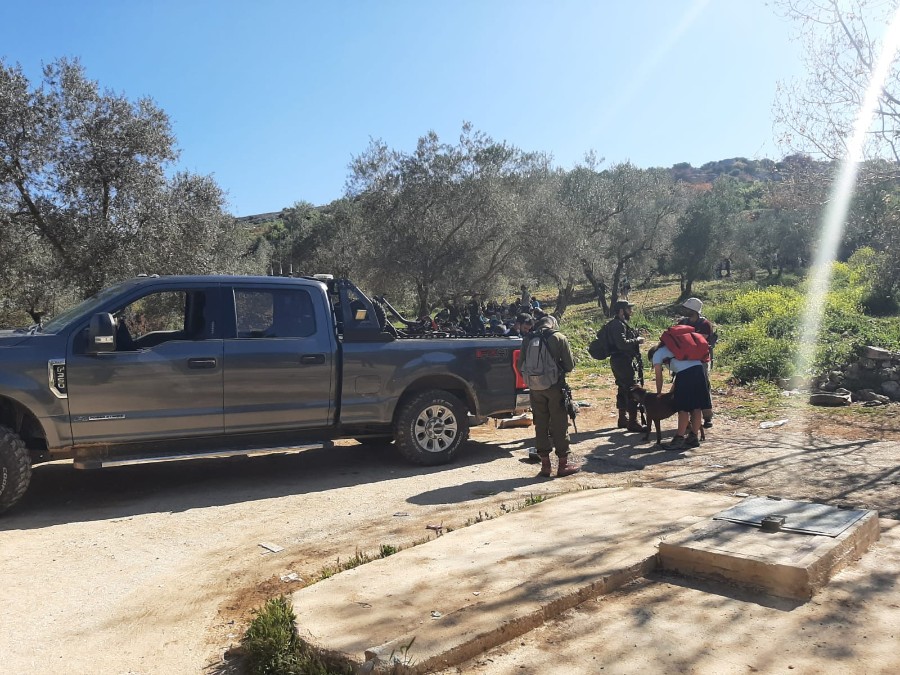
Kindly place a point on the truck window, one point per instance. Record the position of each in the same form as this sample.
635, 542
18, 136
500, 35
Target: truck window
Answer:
274, 313
167, 315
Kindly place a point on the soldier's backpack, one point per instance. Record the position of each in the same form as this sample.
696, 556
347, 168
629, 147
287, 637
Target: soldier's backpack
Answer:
686, 343
539, 368
599, 346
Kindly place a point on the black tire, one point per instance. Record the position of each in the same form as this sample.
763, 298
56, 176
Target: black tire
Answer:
15, 468
383, 323
430, 427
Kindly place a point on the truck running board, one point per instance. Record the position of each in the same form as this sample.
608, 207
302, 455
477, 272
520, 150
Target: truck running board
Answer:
88, 464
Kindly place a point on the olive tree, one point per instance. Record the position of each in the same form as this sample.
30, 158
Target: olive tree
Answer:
444, 219
84, 190
704, 233
627, 216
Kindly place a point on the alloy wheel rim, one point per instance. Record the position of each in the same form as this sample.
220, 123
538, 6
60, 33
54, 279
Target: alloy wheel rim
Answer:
435, 428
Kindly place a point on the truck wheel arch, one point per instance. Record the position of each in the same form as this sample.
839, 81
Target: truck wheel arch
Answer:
20, 420
452, 385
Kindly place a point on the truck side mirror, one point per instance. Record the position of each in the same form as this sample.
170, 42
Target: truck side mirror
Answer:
102, 334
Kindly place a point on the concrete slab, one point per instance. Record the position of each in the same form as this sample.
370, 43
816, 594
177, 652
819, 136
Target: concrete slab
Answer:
482, 585
787, 564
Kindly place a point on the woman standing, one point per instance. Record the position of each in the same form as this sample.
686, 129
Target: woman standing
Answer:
690, 391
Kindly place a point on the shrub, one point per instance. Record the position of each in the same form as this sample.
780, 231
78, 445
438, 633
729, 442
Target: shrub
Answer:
273, 647
879, 302
747, 307
766, 359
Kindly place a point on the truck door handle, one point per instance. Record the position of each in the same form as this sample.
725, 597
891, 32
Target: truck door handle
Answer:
311, 359
202, 363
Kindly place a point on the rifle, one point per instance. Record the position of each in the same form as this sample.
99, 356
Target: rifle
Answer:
571, 408
637, 363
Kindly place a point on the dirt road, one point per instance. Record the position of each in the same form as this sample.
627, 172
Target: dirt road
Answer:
155, 569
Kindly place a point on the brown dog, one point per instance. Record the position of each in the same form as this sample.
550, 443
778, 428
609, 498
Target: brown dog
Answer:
657, 407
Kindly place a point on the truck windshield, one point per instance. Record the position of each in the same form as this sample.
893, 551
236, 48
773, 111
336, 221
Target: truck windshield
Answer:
85, 307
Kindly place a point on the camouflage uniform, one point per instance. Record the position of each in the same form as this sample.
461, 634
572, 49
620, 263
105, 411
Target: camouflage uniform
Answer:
624, 350
551, 422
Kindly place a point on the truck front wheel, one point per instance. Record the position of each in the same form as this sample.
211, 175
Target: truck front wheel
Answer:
15, 468
430, 427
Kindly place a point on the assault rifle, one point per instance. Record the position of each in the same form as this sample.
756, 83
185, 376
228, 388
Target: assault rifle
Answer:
571, 408
637, 363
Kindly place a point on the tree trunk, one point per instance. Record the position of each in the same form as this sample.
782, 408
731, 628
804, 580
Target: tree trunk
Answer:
617, 276
422, 298
598, 286
564, 296
687, 288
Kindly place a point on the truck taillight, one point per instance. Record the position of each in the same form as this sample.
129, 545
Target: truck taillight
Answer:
520, 381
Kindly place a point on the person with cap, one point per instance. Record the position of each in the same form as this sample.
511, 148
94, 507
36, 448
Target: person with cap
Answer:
544, 360
625, 361
692, 308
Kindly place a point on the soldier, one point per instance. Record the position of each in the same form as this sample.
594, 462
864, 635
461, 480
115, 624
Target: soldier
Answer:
624, 359
544, 361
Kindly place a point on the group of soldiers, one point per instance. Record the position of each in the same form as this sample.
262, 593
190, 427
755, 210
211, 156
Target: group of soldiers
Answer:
483, 318
548, 403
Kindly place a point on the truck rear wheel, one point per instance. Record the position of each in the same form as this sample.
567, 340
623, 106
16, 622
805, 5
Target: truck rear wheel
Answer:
15, 468
430, 427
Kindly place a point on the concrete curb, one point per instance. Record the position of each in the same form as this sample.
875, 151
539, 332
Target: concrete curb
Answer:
480, 586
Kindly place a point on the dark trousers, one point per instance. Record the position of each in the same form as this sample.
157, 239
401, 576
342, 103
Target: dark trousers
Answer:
551, 423
626, 377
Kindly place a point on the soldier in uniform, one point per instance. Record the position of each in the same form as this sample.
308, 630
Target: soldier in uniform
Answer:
624, 359
551, 422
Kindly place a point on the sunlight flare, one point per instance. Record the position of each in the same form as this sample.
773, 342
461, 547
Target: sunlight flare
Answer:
839, 203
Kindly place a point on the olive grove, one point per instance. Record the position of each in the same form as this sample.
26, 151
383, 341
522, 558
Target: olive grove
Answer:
85, 199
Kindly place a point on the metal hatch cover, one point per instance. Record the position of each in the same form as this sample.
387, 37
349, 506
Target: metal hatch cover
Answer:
802, 517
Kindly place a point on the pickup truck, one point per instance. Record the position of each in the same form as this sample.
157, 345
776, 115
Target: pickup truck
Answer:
177, 367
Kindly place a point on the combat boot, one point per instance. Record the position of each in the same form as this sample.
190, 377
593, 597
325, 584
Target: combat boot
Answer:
546, 468
623, 422
633, 424
566, 469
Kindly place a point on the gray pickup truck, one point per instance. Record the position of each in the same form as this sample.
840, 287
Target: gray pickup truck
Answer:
176, 367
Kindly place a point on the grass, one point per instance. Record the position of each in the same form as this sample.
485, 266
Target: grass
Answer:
272, 647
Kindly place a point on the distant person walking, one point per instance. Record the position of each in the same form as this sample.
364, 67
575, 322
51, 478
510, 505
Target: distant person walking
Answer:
624, 359
544, 361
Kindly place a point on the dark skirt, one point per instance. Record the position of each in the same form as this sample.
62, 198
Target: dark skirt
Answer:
691, 390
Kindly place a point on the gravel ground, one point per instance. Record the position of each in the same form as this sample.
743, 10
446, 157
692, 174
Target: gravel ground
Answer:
155, 569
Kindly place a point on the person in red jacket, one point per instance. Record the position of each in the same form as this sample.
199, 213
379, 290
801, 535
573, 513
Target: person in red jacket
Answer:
692, 308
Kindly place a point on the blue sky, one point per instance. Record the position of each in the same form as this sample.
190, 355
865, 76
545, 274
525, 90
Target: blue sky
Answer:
274, 97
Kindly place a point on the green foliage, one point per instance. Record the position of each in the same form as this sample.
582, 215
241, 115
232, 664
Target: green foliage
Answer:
749, 306
759, 329
272, 646
868, 270
766, 359
88, 197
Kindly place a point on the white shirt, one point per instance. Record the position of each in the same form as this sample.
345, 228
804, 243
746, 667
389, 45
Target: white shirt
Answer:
675, 365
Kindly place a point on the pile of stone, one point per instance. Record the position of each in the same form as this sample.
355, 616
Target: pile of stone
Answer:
872, 380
